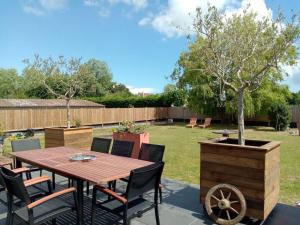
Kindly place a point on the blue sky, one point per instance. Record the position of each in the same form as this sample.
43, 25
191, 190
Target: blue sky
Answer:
138, 39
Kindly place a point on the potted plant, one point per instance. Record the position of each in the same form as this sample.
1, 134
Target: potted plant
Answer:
129, 131
74, 78
238, 56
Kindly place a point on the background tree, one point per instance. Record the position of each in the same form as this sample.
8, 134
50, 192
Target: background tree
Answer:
100, 70
70, 75
238, 54
10, 84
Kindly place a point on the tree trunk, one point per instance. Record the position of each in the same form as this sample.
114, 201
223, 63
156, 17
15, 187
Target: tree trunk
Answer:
68, 114
241, 125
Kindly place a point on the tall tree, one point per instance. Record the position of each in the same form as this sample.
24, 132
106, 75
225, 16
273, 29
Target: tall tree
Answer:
69, 74
236, 55
103, 75
10, 84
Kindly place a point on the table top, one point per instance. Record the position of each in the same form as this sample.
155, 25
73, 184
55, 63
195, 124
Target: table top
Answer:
225, 131
104, 168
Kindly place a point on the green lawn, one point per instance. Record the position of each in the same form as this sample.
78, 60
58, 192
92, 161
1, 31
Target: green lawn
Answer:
182, 153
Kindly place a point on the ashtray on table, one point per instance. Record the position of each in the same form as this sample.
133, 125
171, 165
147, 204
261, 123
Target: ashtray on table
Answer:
82, 157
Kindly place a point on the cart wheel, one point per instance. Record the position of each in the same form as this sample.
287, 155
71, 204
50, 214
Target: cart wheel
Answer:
225, 204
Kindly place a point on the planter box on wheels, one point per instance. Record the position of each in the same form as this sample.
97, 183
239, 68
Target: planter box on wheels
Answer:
138, 139
80, 138
254, 169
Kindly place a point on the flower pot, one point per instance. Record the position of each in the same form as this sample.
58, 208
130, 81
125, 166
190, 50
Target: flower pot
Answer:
138, 139
80, 137
253, 168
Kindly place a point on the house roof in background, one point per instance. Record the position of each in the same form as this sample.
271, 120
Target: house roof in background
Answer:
35, 103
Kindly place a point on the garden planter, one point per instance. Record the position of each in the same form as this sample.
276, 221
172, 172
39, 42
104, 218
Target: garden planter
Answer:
254, 169
138, 139
73, 137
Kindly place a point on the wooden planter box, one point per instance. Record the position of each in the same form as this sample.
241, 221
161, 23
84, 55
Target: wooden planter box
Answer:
73, 137
138, 139
254, 169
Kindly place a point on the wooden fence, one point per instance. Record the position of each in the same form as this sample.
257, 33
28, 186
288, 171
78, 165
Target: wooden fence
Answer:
185, 113
15, 119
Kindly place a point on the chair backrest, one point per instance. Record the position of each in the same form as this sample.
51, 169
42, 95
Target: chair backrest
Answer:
101, 145
152, 152
193, 120
143, 180
25, 145
15, 185
122, 148
207, 121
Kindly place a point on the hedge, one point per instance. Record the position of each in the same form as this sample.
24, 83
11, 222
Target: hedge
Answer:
133, 101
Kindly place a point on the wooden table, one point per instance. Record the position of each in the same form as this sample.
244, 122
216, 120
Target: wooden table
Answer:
105, 168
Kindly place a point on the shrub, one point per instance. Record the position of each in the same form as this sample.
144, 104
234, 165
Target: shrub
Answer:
116, 101
279, 114
130, 127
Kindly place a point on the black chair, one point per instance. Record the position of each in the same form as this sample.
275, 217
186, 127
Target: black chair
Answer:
152, 153
101, 145
132, 203
34, 212
26, 145
122, 148
33, 186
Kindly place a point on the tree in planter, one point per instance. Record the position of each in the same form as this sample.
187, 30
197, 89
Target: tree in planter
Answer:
70, 75
238, 54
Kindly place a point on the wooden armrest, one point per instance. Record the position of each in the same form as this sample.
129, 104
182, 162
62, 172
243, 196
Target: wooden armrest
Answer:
21, 170
36, 180
111, 193
49, 197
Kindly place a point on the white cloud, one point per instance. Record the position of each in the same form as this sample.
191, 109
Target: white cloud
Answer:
40, 7
137, 4
176, 19
105, 13
54, 4
30, 9
92, 2
135, 90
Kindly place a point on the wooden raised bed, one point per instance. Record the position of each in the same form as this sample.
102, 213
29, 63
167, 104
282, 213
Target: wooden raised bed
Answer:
80, 137
254, 169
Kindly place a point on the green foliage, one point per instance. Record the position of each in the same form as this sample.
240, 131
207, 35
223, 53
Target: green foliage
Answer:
130, 127
10, 84
121, 101
279, 114
173, 95
240, 55
78, 122
100, 70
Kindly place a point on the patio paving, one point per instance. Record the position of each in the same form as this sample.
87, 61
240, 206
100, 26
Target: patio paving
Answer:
180, 207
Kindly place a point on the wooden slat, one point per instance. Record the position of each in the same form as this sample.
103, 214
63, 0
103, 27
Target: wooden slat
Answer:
105, 168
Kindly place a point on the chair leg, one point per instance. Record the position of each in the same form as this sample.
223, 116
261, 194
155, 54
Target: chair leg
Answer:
94, 199
54, 221
125, 221
87, 188
41, 173
160, 194
157, 215
53, 181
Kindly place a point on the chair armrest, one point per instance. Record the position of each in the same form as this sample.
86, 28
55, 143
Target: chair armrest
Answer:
49, 197
21, 170
36, 180
111, 193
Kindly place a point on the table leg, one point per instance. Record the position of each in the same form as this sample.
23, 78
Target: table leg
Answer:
79, 184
